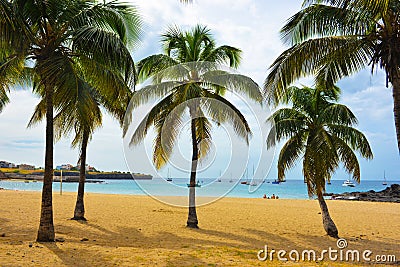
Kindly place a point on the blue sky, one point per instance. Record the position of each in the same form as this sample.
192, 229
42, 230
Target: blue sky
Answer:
249, 25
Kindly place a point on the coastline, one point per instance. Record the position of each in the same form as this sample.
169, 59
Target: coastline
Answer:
292, 189
130, 230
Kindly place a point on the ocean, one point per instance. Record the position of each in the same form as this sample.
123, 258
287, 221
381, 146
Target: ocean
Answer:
291, 189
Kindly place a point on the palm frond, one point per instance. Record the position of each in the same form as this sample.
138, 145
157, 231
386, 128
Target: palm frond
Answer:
315, 56
238, 83
286, 122
290, 153
338, 114
348, 158
222, 54
352, 137
223, 111
319, 20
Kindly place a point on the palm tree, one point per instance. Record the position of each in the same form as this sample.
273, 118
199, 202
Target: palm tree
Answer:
319, 131
188, 78
63, 42
333, 39
82, 115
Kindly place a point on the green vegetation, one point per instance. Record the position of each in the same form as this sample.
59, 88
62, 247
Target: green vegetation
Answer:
190, 86
320, 132
68, 44
13, 170
334, 39
82, 116
76, 55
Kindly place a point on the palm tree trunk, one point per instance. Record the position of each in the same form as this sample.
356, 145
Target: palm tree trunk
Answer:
396, 109
79, 213
329, 225
192, 216
46, 226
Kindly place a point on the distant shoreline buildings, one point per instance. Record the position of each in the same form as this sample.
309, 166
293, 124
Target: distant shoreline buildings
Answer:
10, 165
26, 172
70, 167
65, 167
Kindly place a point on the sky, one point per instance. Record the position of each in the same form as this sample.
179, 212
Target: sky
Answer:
252, 26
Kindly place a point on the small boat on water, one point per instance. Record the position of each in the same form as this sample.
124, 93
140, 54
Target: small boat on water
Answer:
348, 183
329, 183
275, 182
169, 179
384, 179
219, 178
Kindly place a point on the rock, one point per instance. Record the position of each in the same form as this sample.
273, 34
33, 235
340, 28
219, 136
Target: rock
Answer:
84, 239
2, 175
30, 245
3, 235
60, 239
390, 194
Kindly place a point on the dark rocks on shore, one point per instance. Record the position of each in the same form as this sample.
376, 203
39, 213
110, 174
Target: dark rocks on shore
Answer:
2, 175
390, 194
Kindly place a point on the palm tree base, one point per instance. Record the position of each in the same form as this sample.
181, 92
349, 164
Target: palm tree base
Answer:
192, 225
45, 236
329, 225
44, 240
333, 233
79, 219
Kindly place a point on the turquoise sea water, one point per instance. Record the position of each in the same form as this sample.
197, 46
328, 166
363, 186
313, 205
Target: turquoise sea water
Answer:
293, 189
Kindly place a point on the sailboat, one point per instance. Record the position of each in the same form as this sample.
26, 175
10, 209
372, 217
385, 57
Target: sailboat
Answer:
253, 183
169, 179
219, 178
247, 179
384, 179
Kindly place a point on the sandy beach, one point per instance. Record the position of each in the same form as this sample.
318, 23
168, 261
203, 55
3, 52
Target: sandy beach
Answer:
125, 230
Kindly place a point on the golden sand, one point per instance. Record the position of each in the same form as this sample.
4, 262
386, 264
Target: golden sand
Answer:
125, 230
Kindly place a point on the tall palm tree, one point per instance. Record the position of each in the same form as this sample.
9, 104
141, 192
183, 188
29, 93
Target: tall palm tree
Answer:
64, 41
81, 114
188, 78
332, 39
320, 132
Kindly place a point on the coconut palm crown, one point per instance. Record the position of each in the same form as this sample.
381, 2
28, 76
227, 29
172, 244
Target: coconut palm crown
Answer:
319, 132
190, 81
64, 42
332, 39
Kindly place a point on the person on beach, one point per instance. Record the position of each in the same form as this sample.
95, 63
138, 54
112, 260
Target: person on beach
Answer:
273, 196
